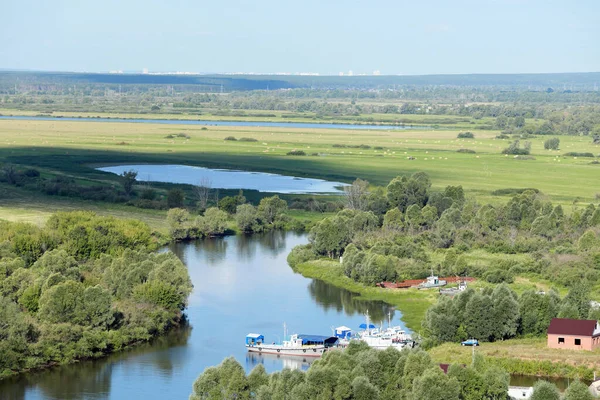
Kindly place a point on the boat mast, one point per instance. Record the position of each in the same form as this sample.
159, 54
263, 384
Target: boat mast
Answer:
284, 331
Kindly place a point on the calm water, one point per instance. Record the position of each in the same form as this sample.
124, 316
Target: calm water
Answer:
228, 179
242, 284
223, 123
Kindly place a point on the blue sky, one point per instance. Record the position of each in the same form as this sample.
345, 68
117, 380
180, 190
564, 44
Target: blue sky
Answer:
325, 36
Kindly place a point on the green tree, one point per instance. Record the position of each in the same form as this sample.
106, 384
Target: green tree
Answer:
97, 307
552, 144
362, 389
175, 198
270, 208
129, 179
62, 303
178, 220
213, 223
544, 390
578, 391
435, 385
246, 217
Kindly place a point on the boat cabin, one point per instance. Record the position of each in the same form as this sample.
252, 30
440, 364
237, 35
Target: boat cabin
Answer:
254, 339
343, 332
311, 340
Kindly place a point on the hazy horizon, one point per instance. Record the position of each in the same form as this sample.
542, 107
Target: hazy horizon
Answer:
267, 37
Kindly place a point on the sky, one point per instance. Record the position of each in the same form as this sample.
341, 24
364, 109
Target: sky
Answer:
415, 37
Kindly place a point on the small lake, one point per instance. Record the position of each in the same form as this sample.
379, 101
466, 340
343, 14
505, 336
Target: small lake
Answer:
228, 179
306, 125
242, 284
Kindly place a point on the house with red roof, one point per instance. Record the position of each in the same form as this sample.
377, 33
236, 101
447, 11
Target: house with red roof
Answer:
573, 334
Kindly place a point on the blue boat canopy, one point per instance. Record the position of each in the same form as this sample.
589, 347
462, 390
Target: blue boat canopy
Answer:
254, 339
364, 326
317, 339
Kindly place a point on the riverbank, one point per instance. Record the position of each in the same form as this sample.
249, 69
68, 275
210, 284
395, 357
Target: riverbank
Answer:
411, 302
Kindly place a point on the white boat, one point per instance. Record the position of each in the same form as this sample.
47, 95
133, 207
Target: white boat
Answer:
393, 336
298, 345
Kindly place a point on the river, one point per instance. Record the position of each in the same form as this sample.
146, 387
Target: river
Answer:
242, 284
304, 125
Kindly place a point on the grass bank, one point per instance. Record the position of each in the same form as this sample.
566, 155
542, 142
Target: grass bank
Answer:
412, 303
525, 357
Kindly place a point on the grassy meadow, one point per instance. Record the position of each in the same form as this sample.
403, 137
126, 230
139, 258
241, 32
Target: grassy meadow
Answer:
73, 146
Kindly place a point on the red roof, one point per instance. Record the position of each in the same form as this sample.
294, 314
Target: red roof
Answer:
579, 327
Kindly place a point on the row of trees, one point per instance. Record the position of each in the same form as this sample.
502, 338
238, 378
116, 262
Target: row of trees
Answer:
269, 214
358, 373
81, 287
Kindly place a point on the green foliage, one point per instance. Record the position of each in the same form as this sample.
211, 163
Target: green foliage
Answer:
465, 135
552, 144
358, 372
271, 208
515, 148
175, 198
99, 288
246, 218
129, 179
578, 391
544, 390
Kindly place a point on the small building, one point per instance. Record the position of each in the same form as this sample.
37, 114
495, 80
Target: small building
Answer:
573, 334
520, 392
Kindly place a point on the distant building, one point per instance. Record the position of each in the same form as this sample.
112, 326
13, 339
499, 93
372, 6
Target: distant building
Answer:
573, 334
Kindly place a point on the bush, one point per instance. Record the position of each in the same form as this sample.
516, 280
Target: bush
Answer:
31, 173
552, 144
515, 149
465, 135
248, 139
232, 138
296, 153
512, 191
465, 151
502, 136
175, 198
576, 154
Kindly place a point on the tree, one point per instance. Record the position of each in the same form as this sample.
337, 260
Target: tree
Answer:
213, 223
246, 217
578, 391
544, 390
202, 192
270, 208
175, 198
10, 173
362, 389
435, 385
505, 312
97, 307
403, 192
552, 144
356, 195
129, 179
62, 303
178, 220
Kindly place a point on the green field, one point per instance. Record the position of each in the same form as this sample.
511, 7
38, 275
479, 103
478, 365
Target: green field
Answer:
72, 146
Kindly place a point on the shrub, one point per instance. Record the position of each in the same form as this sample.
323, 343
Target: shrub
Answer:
232, 138
465, 151
502, 136
552, 144
31, 173
576, 154
512, 191
175, 198
465, 135
516, 149
248, 139
296, 153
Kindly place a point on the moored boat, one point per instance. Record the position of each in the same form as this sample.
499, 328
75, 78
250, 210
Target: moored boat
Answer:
298, 345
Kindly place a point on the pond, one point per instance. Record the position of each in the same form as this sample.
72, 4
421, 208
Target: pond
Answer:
228, 179
242, 284
305, 125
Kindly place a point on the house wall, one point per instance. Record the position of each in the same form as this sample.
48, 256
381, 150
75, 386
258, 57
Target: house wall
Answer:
587, 342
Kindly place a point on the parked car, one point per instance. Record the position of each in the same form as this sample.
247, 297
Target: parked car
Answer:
470, 342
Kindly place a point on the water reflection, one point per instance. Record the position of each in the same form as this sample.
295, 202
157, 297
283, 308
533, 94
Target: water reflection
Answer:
271, 360
343, 301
